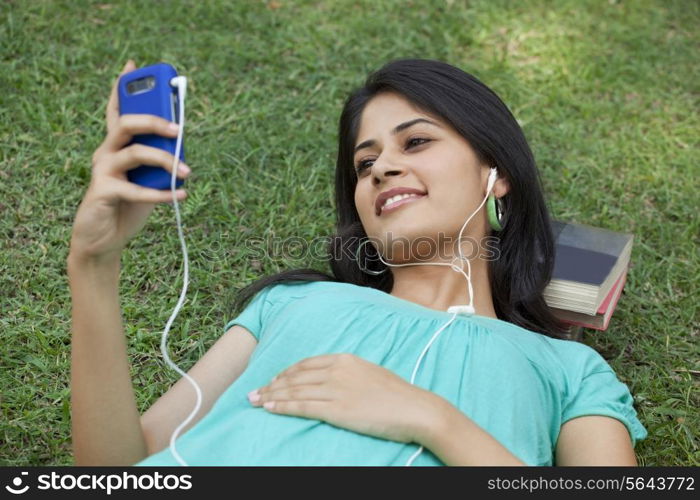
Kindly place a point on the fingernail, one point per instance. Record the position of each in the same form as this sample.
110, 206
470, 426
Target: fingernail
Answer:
184, 168
254, 396
174, 127
269, 405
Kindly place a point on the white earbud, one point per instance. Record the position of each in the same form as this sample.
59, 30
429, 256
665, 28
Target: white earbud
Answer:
181, 83
493, 175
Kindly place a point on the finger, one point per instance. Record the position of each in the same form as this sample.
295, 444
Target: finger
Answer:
311, 392
112, 111
302, 377
127, 126
305, 409
139, 154
321, 361
138, 194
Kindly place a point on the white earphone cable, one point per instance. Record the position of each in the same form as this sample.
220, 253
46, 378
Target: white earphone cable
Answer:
181, 83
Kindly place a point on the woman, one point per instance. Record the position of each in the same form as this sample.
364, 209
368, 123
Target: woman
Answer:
365, 367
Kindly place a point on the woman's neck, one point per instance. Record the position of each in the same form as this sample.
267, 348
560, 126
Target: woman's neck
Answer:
439, 287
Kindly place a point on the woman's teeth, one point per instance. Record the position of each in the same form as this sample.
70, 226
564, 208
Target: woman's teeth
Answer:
398, 197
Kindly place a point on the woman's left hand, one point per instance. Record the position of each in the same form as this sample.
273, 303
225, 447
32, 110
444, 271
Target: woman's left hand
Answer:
352, 393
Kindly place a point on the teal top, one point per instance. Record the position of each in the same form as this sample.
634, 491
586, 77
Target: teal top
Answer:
518, 385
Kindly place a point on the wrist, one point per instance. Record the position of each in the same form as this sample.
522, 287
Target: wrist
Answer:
81, 262
436, 410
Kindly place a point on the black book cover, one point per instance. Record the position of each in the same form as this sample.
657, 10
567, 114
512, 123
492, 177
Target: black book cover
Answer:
584, 266
586, 254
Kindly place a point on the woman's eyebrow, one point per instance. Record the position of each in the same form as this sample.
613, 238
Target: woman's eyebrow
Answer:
403, 126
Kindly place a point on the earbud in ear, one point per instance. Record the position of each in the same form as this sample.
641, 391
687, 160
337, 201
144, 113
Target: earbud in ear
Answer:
493, 175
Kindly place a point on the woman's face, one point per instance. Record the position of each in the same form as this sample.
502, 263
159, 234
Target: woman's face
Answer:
399, 146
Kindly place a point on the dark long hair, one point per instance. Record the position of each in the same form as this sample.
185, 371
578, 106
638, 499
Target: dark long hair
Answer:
524, 268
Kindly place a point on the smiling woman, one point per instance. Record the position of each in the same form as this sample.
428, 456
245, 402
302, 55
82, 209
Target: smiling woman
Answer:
348, 368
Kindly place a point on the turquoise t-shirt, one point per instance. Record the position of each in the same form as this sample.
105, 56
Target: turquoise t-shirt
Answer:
518, 385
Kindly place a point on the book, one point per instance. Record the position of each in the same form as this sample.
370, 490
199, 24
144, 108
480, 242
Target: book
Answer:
589, 261
601, 319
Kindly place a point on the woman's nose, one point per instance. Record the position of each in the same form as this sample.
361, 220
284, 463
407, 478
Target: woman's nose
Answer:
385, 166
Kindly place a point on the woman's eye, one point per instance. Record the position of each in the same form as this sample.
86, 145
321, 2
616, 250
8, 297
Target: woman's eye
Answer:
362, 166
416, 141
411, 141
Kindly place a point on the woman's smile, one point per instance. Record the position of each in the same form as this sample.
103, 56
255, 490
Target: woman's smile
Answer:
394, 203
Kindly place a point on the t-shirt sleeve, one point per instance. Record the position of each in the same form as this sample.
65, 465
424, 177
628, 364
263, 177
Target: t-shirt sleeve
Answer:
259, 308
596, 390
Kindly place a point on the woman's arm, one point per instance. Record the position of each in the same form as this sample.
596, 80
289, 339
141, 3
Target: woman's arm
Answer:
220, 367
594, 440
105, 421
457, 440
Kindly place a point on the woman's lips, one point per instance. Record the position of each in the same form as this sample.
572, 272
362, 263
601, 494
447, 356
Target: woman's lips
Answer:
393, 206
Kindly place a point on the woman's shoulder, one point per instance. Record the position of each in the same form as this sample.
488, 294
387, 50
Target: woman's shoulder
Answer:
572, 358
292, 288
317, 295
321, 288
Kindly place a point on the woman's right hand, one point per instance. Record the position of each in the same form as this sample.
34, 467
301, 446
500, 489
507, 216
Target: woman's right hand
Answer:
114, 209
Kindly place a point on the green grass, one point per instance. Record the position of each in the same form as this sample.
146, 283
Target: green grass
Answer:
606, 91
